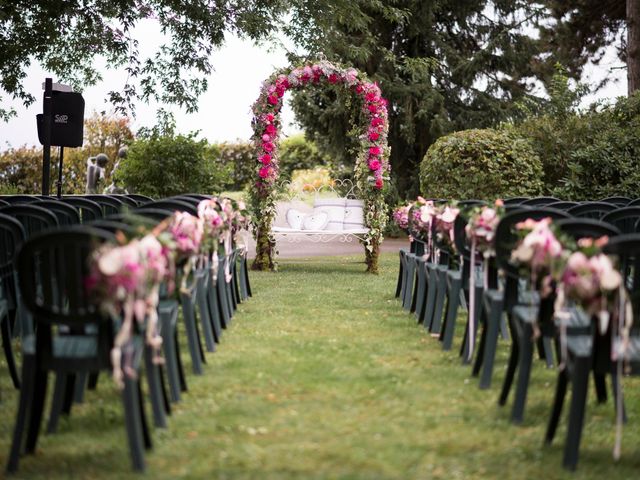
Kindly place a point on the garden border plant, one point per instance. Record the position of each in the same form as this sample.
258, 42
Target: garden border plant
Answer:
371, 167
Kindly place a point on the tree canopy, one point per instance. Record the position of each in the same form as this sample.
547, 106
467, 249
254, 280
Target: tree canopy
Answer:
67, 36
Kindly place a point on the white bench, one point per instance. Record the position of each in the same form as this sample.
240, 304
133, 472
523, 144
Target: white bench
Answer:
345, 213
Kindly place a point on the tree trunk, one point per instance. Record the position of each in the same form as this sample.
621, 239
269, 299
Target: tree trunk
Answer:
264, 251
633, 46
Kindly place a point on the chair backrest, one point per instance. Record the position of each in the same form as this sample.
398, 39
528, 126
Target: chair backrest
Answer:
87, 209
634, 203
197, 196
595, 210
515, 200
506, 239
152, 213
579, 228
471, 203
626, 219
132, 203
67, 214
562, 205
4, 203
14, 199
539, 201
52, 270
506, 236
627, 249
141, 199
618, 201
173, 205
12, 236
108, 204
34, 219
113, 226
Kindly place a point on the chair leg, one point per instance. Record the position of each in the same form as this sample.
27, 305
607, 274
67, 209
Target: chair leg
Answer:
37, 409
558, 402
511, 367
203, 315
477, 364
182, 376
430, 301
452, 313
8, 351
171, 362
166, 402
146, 431
24, 407
93, 381
524, 372
494, 318
579, 387
155, 392
547, 349
601, 386
222, 300
399, 283
441, 289
133, 423
59, 390
214, 310
420, 290
466, 344
80, 386
192, 333
67, 403
410, 280
245, 267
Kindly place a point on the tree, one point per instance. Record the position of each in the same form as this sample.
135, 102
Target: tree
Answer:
578, 31
67, 36
443, 65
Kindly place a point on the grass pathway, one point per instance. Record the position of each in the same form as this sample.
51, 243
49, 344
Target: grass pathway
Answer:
321, 375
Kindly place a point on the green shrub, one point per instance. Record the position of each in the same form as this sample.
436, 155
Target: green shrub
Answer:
483, 164
605, 160
239, 158
162, 164
297, 153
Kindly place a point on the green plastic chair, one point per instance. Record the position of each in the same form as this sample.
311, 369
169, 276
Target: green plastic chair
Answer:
52, 268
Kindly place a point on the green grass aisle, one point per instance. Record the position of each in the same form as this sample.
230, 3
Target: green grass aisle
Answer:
322, 375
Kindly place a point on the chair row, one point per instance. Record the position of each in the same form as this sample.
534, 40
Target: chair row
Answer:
45, 302
436, 280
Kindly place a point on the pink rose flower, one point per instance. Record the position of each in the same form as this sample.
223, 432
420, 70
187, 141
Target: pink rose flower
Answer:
375, 151
271, 129
265, 159
269, 117
273, 99
266, 138
379, 183
374, 165
377, 122
373, 109
373, 136
333, 78
359, 89
267, 147
264, 172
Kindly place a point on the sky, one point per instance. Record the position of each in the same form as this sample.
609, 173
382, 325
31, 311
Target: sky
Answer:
225, 109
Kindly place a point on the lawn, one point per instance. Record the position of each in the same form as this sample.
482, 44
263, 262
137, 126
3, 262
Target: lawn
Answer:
322, 375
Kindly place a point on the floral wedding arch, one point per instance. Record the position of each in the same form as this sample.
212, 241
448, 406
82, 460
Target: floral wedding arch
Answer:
371, 167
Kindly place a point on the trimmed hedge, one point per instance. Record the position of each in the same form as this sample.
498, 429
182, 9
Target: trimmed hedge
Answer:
482, 164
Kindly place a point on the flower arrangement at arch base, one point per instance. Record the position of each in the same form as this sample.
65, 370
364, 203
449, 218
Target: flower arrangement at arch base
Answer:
372, 164
127, 277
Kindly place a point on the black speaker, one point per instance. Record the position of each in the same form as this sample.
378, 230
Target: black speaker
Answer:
67, 120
